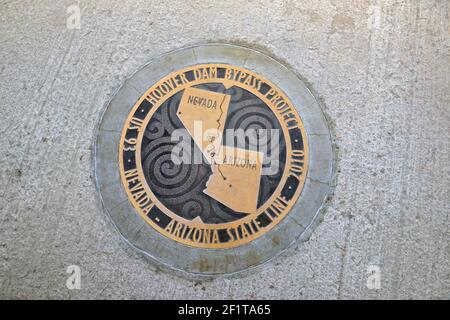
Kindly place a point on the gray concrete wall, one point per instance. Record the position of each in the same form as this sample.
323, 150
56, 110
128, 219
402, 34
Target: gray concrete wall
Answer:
380, 67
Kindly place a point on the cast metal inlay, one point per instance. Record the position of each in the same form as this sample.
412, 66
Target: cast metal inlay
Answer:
238, 190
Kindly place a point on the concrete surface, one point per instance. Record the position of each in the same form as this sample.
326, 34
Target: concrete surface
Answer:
381, 68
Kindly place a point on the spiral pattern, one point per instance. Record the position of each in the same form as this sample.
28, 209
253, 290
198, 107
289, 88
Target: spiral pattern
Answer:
180, 186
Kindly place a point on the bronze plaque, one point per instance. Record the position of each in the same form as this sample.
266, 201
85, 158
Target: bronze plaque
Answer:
213, 156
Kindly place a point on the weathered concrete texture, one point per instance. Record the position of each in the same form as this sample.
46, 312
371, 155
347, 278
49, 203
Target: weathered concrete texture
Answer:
381, 68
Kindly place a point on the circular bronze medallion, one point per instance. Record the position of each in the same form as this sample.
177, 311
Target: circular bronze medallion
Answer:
213, 156
213, 159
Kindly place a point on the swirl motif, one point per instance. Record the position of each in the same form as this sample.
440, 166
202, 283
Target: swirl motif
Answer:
180, 187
